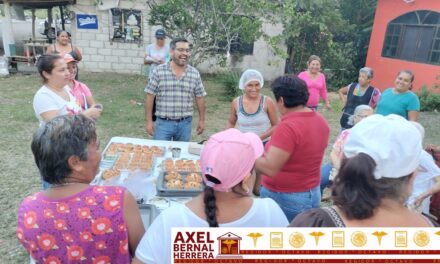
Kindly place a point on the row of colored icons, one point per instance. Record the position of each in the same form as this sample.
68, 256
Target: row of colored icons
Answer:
357, 238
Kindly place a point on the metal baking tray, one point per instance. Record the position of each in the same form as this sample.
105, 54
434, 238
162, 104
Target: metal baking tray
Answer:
148, 213
162, 190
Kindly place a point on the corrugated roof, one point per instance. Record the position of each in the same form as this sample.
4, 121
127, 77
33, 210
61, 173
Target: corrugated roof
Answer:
39, 3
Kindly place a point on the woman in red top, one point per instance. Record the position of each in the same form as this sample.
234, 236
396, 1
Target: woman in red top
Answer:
291, 163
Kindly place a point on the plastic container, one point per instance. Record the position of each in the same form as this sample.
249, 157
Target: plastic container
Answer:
4, 66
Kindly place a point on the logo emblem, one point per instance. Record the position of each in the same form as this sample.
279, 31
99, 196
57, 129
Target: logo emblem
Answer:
421, 238
255, 237
379, 235
358, 239
297, 240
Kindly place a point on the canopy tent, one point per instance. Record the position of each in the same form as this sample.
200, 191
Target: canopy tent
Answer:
8, 38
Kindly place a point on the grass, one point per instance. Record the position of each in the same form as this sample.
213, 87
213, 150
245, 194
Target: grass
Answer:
122, 97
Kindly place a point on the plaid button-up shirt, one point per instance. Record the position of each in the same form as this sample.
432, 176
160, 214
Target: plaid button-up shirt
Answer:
174, 97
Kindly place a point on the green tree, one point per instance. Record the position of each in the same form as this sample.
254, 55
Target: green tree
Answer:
213, 26
317, 27
360, 13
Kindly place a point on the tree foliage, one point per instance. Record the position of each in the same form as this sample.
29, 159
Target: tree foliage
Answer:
318, 27
360, 13
336, 30
212, 25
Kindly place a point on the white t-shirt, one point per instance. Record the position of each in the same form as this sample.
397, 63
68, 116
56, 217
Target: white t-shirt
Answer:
426, 172
47, 100
155, 246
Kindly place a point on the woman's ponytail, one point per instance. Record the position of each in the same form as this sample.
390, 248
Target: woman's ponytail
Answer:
210, 203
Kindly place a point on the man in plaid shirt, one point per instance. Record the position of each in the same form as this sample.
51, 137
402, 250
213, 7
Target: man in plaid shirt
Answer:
174, 84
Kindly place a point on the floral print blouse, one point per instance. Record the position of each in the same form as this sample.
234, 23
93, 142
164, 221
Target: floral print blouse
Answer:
87, 227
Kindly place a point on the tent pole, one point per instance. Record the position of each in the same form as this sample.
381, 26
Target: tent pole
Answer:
33, 23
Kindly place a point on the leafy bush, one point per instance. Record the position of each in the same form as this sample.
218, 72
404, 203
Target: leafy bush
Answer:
229, 81
429, 101
337, 78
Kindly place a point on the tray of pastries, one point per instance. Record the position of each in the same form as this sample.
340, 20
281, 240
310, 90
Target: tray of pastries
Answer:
115, 149
174, 183
130, 164
181, 165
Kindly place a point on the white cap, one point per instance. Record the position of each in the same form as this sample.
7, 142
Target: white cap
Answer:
391, 141
249, 76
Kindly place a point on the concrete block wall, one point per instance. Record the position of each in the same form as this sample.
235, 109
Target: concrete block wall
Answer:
263, 58
99, 53
102, 55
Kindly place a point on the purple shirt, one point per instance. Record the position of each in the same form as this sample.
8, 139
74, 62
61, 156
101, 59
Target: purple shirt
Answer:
87, 227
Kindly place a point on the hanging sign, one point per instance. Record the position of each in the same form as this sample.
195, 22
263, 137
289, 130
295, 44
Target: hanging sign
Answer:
86, 21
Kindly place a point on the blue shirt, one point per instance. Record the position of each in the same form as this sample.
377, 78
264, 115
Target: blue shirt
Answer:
399, 104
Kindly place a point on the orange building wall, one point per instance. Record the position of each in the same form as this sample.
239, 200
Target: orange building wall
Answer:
385, 69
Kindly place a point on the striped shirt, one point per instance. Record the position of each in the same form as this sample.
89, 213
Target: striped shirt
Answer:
174, 97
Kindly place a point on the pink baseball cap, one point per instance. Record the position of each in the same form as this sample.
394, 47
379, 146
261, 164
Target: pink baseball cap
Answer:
229, 156
68, 58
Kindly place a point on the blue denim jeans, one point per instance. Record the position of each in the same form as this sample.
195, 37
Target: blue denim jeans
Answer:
173, 130
293, 204
46, 185
325, 175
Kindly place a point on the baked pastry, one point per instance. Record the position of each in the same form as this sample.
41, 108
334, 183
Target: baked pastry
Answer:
110, 173
194, 177
168, 165
157, 151
193, 185
173, 175
174, 184
146, 149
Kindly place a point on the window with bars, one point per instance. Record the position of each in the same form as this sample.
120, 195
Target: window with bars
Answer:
414, 36
435, 51
241, 47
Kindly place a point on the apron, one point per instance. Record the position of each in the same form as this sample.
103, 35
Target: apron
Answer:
352, 102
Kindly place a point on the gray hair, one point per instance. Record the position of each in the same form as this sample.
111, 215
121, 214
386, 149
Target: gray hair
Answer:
61, 138
357, 111
368, 71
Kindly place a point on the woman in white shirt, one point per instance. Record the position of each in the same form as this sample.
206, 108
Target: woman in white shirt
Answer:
227, 162
54, 97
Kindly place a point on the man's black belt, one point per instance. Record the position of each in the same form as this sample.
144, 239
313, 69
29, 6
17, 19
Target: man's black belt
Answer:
174, 119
